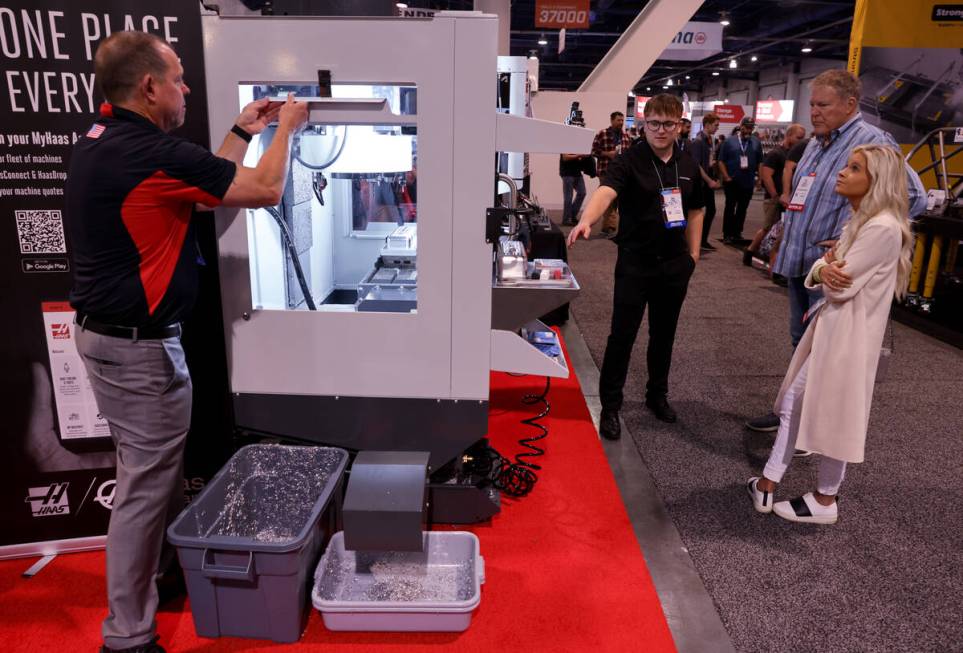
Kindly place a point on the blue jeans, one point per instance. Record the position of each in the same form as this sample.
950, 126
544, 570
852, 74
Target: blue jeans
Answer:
571, 206
800, 299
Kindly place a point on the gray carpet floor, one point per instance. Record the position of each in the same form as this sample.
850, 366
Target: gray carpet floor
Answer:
889, 575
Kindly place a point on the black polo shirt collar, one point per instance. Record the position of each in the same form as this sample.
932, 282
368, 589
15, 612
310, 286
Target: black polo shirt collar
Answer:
108, 110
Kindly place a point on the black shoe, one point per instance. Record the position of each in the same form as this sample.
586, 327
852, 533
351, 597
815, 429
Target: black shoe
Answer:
150, 647
764, 424
661, 409
780, 280
747, 258
728, 240
708, 246
609, 426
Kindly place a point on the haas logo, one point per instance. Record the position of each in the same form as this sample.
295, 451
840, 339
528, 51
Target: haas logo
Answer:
60, 331
105, 494
49, 500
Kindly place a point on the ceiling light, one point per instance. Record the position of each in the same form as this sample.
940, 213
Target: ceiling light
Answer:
631, 93
724, 18
733, 64
533, 57
688, 77
401, 5
664, 87
754, 58
543, 41
648, 88
806, 49
715, 74
669, 83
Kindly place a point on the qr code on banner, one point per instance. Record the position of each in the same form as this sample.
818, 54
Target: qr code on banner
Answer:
41, 232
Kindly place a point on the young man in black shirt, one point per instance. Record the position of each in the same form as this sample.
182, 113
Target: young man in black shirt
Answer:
703, 150
660, 196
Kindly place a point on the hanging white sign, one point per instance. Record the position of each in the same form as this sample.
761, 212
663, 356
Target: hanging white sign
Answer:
695, 42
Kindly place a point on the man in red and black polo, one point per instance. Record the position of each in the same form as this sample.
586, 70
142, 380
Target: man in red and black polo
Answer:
130, 193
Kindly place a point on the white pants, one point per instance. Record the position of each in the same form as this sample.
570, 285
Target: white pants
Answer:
831, 471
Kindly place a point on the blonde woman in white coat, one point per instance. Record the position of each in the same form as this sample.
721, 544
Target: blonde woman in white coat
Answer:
825, 399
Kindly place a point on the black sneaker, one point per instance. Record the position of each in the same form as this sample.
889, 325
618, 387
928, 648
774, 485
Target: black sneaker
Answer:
609, 426
747, 258
150, 647
661, 409
708, 246
765, 424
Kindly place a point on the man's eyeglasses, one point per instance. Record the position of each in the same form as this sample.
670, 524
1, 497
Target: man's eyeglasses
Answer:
667, 125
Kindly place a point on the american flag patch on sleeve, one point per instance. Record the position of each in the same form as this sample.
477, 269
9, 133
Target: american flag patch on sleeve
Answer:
95, 131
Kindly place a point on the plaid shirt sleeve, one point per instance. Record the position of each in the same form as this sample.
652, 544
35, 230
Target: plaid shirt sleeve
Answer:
605, 142
598, 145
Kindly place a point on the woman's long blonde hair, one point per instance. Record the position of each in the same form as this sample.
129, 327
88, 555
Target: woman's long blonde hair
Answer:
887, 192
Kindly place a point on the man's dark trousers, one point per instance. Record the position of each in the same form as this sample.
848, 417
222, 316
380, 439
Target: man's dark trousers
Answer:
737, 203
661, 286
709, 196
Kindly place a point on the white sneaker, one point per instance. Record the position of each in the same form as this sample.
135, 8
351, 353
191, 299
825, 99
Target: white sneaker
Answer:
761, 501
807, 510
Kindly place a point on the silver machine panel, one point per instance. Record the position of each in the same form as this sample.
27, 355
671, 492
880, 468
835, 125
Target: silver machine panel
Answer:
358, 313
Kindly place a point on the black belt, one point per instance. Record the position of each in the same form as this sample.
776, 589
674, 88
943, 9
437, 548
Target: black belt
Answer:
130, 333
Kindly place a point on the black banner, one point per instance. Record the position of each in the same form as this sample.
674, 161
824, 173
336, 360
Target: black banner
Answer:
56, 458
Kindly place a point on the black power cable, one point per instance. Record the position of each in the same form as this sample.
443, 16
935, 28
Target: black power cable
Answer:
292, 250
516, 479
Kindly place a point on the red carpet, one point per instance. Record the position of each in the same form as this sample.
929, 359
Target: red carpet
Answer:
564, 571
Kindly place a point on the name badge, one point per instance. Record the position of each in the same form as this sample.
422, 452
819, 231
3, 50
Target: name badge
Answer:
672, 210
799, 196
744, 162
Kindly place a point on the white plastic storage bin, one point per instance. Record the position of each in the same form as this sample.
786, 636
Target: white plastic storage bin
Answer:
434, 590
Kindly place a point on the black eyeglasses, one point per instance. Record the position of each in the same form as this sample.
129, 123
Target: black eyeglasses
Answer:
667, 125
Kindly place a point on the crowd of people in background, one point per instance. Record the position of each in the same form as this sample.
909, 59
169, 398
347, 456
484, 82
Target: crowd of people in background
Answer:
835, 232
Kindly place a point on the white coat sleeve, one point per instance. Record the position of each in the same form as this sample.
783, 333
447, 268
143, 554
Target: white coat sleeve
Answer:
810, 281
876, 245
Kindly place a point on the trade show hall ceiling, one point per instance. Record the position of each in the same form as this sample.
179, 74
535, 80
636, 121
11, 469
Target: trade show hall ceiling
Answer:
774, 31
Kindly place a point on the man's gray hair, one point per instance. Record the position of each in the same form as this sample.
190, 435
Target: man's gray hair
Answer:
844, 83
123, 59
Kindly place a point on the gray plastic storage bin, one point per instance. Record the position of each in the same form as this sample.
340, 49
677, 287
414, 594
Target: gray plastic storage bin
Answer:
434, 590
249, 540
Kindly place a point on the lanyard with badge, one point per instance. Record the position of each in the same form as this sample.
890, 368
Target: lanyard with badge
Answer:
798, 200
672, 211
805, 185
744, 157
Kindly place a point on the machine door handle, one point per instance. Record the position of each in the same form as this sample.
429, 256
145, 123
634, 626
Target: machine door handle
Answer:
354, 111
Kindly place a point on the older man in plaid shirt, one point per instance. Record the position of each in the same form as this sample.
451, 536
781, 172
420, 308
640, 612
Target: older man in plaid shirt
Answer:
608, 144
816, 213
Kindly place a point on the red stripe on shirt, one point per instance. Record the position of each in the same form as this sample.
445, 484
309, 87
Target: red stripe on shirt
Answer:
157, 213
